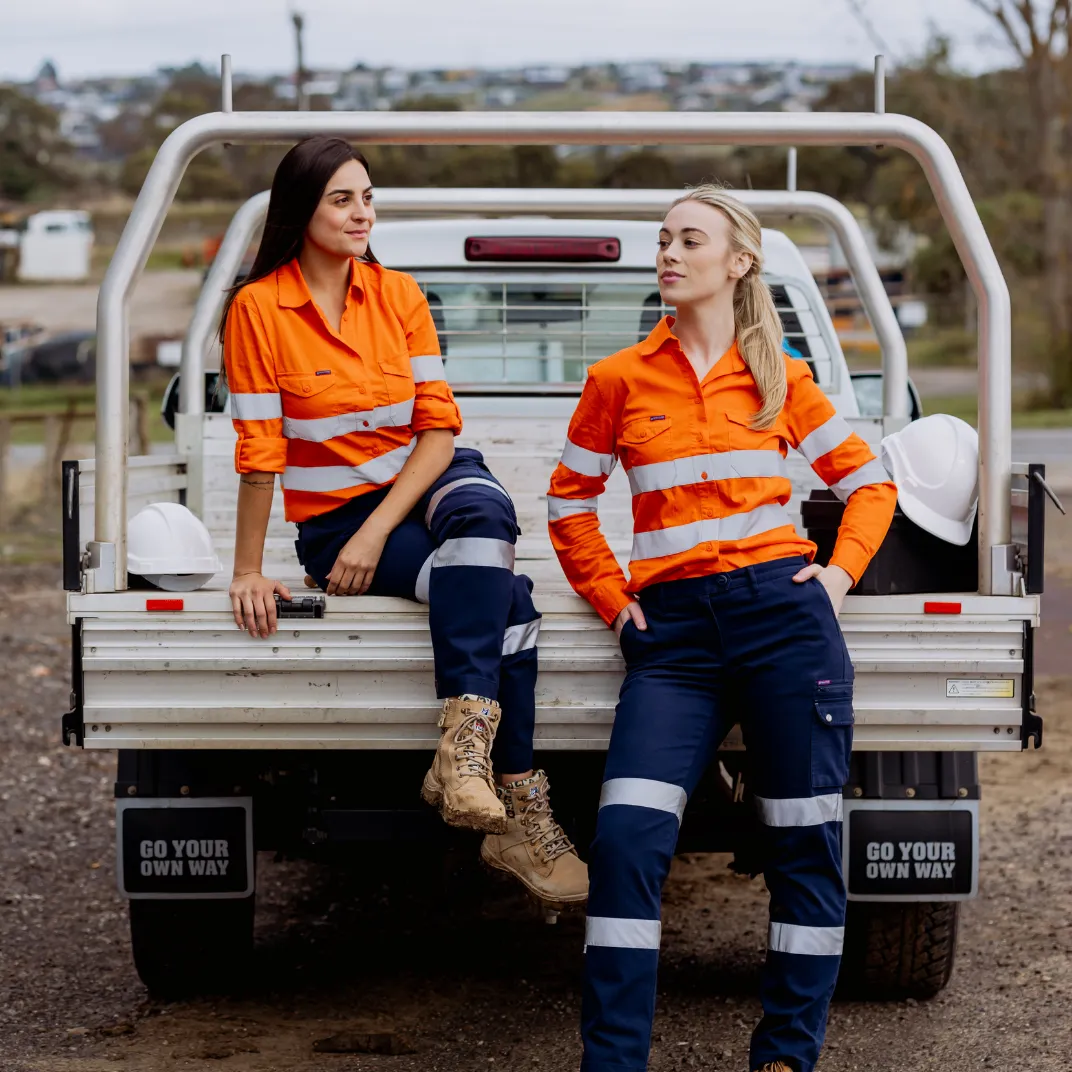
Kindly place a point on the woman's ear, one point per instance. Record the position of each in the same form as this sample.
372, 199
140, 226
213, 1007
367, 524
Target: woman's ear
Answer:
741, 264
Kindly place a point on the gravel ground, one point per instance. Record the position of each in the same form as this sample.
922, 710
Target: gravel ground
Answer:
472, 978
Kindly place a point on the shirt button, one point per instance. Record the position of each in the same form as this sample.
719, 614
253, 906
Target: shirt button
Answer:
306, 388
365, 423
703, 476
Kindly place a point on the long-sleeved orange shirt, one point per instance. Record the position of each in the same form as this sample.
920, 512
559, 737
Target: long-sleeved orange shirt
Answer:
335, 412
709, 490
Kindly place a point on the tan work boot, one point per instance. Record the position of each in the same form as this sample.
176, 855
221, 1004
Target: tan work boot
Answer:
535, 849
774, 1066
459, 782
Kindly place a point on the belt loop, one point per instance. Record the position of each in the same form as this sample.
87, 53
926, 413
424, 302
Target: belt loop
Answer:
753, 580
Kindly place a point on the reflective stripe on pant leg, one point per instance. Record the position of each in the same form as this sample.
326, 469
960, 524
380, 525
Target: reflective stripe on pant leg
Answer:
470, 579
512, 751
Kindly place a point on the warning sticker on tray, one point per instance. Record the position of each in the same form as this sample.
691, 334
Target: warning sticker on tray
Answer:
980, 686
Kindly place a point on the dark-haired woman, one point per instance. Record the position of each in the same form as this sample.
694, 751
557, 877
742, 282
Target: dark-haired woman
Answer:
337, 385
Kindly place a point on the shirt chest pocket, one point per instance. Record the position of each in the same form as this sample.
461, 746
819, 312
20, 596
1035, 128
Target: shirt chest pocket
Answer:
740, 434
311, 394
644, 440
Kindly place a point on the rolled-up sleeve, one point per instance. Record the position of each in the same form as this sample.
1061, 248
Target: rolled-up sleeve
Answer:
255, 404
433, 403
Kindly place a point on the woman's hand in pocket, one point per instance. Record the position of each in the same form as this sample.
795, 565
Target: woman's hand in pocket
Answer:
356, 565
253, 602
630, 611
833, 578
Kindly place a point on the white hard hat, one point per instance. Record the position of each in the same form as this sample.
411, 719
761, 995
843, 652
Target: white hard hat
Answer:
935, 464
170, 548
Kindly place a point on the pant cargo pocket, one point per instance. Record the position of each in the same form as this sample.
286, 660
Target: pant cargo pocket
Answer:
831, 736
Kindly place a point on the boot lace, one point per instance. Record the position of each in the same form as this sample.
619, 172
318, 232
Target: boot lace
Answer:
474, 745
542, 829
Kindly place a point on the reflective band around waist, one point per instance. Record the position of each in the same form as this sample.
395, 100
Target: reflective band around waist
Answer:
321, 429
872, 472
825, 438
474, 551
337, 477
677, 538
521, 637
622, 933
586, 462
558, 508
728, 465
800, 811
644, 793
266, 407
428, 367
806, 941
444, 491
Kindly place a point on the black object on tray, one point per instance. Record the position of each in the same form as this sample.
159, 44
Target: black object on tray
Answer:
910, 559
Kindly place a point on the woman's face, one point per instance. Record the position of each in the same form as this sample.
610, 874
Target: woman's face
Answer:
344, 216
696, 260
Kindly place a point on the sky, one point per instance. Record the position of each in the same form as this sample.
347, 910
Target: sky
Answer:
91, 37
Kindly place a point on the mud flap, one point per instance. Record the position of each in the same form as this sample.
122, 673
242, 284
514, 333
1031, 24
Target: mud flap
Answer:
904, 850
183, 848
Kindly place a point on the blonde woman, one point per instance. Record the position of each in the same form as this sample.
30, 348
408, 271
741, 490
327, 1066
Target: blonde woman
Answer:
723, 619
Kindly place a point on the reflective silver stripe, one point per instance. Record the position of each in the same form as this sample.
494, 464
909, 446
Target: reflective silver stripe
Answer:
428, 367
321, 429
558, 508
474, 551
800, 811
586, 462
677, 538
266, 407
808, 941
644, 793
336, 477
420, 592
446, 489
825, 438
521, 637
622, 933
872, 472
728, 465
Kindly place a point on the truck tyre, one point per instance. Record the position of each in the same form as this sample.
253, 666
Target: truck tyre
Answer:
182, 948
898, 950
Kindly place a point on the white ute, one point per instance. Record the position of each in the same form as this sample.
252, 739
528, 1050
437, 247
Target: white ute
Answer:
235, 744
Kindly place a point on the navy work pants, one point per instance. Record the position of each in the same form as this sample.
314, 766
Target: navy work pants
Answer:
455, 552
748, 646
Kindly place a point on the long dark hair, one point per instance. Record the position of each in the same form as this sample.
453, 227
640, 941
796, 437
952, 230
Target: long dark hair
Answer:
299, 183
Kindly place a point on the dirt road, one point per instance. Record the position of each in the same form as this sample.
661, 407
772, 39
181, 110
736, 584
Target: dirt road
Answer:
472, 979
162, 304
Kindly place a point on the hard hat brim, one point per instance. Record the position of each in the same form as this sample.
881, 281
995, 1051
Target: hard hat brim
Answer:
945, 528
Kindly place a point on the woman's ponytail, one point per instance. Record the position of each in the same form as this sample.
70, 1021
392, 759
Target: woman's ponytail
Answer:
758, 325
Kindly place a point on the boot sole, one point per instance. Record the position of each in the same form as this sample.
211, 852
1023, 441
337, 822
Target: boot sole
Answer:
559, 903
461, 820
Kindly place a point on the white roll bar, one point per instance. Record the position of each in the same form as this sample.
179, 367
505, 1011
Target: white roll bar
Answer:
394, 202
108, 551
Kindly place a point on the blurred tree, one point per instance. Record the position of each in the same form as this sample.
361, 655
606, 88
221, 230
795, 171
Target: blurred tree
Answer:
1037, 33
30, 147
638, 170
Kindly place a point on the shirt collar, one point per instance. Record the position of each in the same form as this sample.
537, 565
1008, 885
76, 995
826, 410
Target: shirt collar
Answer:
662, 337
294, 291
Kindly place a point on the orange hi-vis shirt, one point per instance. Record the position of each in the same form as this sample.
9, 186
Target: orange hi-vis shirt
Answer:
335, 412
709, 490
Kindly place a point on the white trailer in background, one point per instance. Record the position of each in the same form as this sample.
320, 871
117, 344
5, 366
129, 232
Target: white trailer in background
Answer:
55, 246
321, 734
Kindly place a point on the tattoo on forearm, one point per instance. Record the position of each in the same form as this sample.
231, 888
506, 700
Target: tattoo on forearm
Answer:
260, 484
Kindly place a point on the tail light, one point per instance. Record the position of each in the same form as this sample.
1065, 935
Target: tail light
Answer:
540, 248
